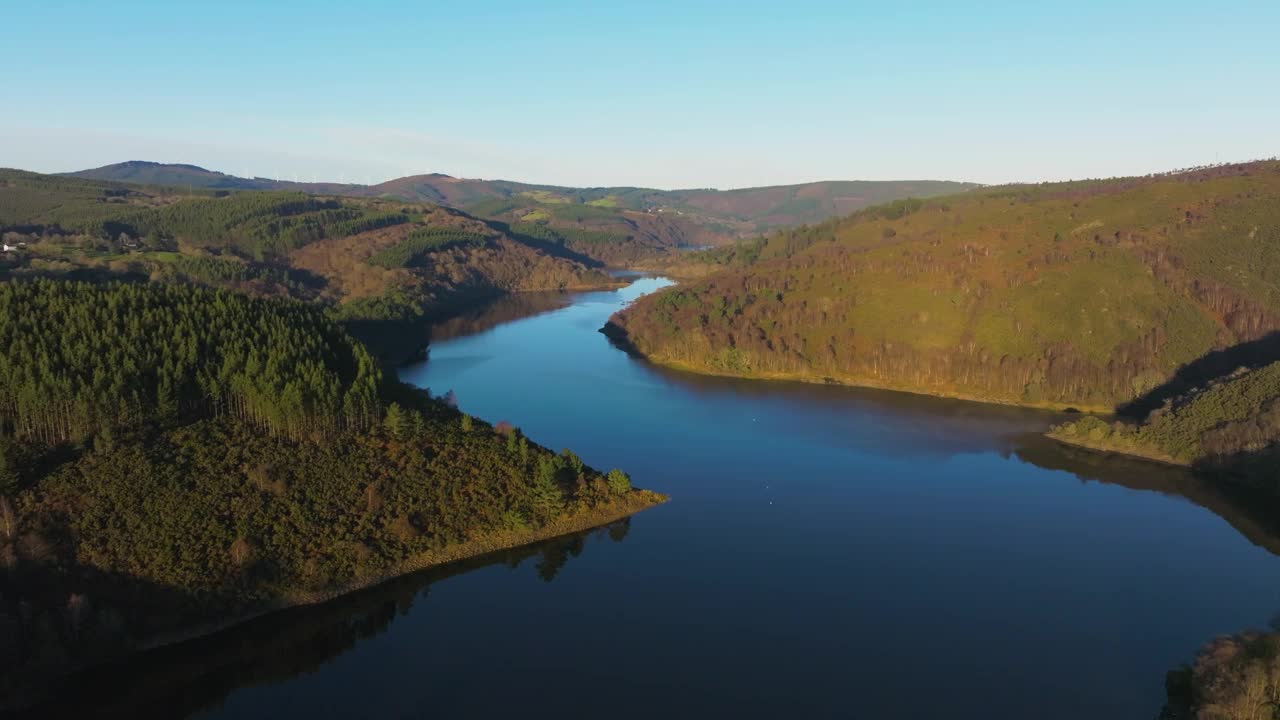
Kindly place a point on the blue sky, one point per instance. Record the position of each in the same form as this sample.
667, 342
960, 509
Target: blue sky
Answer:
663, 94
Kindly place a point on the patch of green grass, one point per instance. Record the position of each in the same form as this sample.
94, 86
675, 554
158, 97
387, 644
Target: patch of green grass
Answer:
160, 256
545, 197
493, 207
580, 213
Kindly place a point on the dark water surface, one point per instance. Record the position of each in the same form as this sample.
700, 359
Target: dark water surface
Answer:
827, 552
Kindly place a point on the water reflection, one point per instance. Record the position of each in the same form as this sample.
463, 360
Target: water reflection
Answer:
1255, 515
183, 679
870, 537
894, 423
890, 422
502, 310
196, 676
824, 545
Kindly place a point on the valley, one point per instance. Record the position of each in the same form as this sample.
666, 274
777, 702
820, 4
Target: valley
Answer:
226, 436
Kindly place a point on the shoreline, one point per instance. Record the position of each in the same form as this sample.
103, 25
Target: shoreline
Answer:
505, 540
620, 338
395, 355
637, 501
1154, 456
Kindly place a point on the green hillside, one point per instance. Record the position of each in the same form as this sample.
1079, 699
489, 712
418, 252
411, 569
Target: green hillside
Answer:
373, 261
634, 224
179, 175
1232, 424
83, 360
174, 458
1084, 294
152, 173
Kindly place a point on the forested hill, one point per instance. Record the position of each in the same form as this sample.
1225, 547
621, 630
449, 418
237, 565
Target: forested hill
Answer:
181, 174
653, 220
1083, 294
1230, 425
174, 458
85, 361
373, 261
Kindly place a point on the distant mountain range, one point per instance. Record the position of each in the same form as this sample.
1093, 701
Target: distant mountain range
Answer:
708, 214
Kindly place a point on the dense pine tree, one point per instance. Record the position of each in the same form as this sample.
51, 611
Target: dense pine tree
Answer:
81, 359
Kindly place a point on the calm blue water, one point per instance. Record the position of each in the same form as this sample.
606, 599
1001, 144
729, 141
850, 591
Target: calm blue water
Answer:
827, 552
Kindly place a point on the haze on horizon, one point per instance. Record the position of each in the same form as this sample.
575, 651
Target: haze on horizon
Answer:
660, 94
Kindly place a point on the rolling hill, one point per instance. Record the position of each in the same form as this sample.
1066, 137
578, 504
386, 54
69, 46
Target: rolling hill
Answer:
177, 174
377, 264
616, 225
1089, 295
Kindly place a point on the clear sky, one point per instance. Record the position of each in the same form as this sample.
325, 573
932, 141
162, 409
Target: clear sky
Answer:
655, 93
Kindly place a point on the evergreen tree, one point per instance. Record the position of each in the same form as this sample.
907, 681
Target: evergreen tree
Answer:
8, 473
546, 498
395, 422
572, 462
618, 481
103, 357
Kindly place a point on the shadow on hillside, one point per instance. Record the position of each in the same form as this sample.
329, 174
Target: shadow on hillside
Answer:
499, 311
396, 341
97, 275
1200, 372
306, 279
181, 679
55, 619
546, 246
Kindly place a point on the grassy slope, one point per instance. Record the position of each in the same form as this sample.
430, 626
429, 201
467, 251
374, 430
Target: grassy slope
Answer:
1083, 294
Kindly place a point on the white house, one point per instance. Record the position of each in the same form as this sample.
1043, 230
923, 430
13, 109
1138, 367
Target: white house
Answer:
9, 248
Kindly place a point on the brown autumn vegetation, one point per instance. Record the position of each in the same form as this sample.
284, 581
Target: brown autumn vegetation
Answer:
1232, 678
1085, 294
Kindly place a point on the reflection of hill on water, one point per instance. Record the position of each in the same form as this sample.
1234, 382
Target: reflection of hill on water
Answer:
505, 309
1253, 514
895, 422
909, 424
178, 680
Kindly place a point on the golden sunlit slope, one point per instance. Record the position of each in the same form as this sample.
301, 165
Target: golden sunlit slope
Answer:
1086, 294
